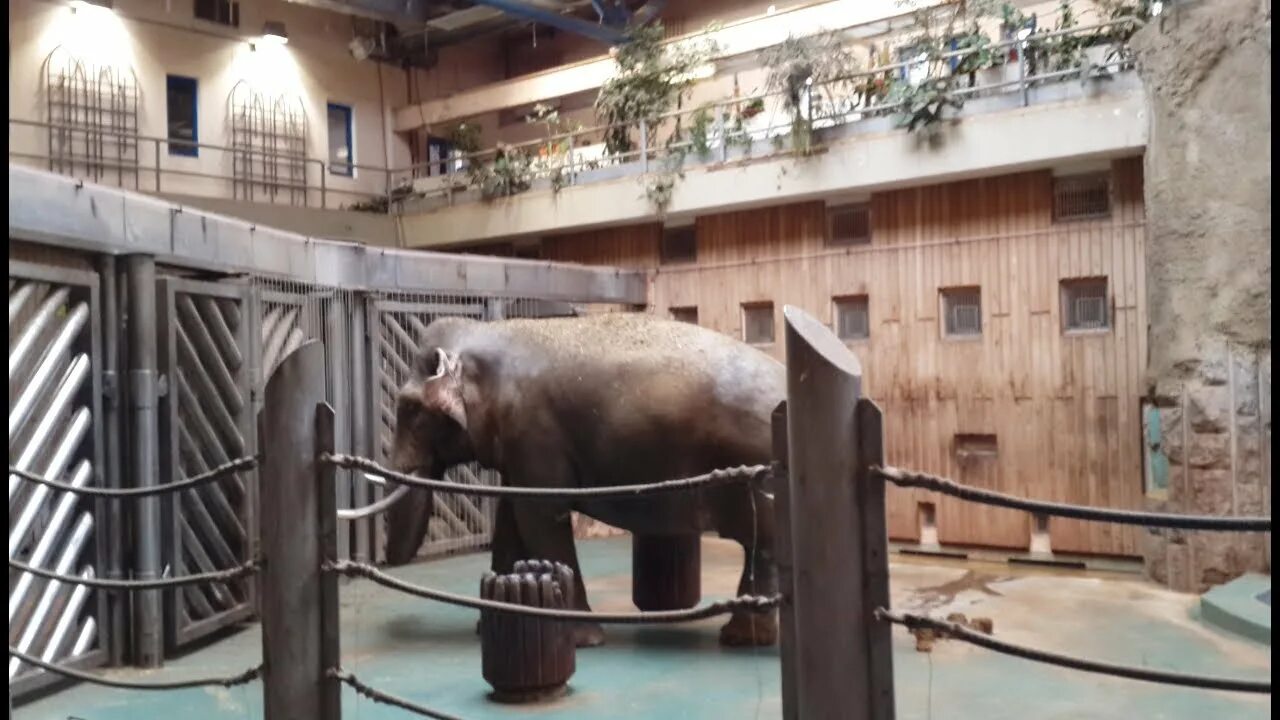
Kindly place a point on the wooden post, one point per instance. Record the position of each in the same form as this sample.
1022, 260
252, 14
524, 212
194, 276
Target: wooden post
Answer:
780, 487
837, 675
297, 524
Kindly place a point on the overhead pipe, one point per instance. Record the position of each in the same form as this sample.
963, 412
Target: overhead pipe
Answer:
34, 329
74, 378
527, 11
65, 562
62, 455
49, 538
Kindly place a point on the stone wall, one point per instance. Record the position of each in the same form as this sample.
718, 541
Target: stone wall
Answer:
1206, 67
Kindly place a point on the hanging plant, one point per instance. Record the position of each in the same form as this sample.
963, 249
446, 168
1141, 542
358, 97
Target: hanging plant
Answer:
651, 80
805, 71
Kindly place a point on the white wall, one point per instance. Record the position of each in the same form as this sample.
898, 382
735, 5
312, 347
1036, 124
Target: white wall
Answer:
160, 37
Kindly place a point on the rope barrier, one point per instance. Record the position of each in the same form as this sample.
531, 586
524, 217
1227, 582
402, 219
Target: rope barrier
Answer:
750, 603
742, 473
227, 682
226, 575
946, 486
960, 632
386, 698
217, 473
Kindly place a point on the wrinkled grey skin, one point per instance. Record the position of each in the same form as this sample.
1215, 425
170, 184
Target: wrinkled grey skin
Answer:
612, 399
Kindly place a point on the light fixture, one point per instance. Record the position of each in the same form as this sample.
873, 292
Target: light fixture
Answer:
78, 5
273, 33
771, 10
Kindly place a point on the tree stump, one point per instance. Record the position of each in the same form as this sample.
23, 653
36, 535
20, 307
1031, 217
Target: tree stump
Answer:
526, 659
666, 571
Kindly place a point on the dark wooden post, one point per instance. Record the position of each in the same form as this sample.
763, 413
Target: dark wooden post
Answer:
780, 487
666, 571
839, 671
297, 524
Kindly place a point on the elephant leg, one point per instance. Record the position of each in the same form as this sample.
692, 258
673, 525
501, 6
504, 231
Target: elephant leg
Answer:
546, 531
407, 525
747, 518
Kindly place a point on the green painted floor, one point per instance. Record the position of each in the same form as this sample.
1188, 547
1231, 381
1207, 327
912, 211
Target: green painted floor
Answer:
430, 654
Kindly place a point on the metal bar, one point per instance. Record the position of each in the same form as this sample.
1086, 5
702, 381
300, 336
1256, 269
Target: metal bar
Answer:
220, 592
293, 595
112, 513
203, 399
27, 341
824, 382
360, 421
217, 501
36, 386
326, 525
144, 459
50, 535
35, 621
44, 431
1022, 75
200, 340
18, 299
70, 613
34, 503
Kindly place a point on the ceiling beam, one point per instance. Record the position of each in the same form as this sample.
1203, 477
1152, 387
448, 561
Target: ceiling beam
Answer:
398, 12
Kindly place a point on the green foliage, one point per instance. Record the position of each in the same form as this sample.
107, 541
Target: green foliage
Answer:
699, 126
652, 78
465, 137
813, 68
510, 173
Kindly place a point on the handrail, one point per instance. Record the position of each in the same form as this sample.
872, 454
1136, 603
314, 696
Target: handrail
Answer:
395, 178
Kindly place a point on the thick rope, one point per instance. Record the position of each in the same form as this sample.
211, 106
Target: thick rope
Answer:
726, 476
220, 576
217, 473
750, 603
960, 632
925, 481
380, 697
231, 681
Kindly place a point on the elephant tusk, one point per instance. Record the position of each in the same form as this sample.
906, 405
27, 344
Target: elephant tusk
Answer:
376, 507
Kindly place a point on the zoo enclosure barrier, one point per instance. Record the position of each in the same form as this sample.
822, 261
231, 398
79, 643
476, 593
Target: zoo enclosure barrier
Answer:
142, 334
833, 568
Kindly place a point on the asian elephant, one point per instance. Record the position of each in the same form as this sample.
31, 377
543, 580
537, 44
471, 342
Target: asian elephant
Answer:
611, 399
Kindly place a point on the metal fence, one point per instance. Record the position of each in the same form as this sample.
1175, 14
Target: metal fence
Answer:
220, 330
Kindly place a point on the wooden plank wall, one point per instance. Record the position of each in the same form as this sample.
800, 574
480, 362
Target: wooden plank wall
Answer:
1064, 408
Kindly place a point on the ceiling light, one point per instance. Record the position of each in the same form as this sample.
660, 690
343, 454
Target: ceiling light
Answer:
273, 33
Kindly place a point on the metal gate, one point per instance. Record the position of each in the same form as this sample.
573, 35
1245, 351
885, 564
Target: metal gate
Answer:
55, 391
395, 334
206, 419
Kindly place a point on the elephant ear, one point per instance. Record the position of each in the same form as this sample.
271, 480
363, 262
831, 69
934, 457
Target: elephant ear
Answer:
442, 391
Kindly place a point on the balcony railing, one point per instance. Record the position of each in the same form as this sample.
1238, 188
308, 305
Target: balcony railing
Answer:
733, 129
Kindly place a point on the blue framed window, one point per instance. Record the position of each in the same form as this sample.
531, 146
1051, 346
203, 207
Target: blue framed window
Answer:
341, 152
183, 116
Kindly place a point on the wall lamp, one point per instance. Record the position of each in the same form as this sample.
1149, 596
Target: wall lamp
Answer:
273, 33
78, 5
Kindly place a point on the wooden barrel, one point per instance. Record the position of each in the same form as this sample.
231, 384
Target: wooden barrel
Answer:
666, 571
527, 659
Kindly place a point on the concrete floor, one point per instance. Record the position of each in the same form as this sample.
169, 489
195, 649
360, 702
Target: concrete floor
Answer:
430, 654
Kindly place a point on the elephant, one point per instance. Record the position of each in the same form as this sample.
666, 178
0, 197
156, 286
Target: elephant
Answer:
604, 399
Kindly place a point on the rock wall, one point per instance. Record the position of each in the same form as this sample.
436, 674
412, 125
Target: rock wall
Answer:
1207, 70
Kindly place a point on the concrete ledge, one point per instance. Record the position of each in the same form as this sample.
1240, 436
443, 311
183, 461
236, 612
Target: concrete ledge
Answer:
1242, 606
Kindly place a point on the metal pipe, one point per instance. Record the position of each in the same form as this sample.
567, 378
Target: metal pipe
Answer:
57, 464
35, 387
44, 430
65, 562
112, 513
18, 299
70, 613
360, 417
140, 326
31, 334
48, 538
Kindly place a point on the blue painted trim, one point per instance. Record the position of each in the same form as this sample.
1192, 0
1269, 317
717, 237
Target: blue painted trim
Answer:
179, 83
338, 168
